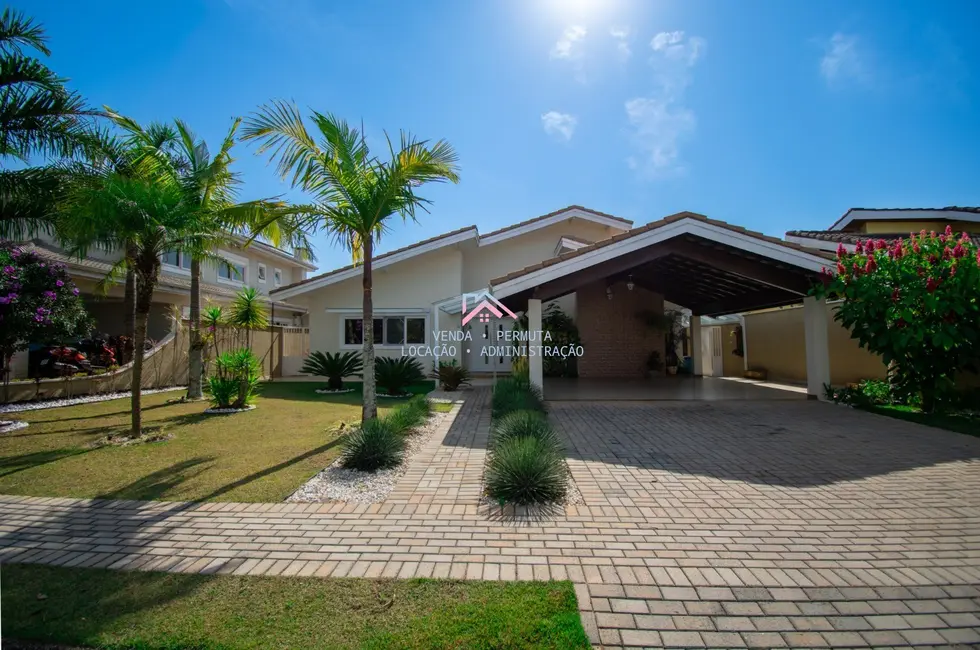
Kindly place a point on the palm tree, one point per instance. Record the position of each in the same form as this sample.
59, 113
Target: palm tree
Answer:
211, 189
355, 196
38, 117
142, 214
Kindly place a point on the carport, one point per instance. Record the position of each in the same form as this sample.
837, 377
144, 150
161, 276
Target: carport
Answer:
710, 267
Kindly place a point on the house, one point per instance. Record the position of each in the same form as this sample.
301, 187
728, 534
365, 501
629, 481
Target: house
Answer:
596, 267
257, 265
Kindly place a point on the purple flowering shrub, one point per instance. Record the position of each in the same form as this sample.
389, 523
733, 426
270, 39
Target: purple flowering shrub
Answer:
39, 303
916, 302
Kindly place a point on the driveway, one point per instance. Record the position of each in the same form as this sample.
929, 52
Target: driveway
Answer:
825, 507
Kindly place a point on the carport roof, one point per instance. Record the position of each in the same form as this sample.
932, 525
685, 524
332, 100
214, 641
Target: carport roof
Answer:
707, 265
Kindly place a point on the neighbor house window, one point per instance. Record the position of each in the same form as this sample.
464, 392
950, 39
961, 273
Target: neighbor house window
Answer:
277, 277
178, 259
260, 273
390, 330
231, 272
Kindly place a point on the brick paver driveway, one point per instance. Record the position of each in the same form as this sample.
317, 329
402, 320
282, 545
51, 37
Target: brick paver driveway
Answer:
724, 524
794, 524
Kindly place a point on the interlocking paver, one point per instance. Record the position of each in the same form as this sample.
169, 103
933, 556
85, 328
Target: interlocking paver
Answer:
703, 524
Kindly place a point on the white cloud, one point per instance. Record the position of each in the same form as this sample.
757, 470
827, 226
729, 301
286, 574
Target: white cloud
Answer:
843, 59
565, 47
621, 36
660, 121
559, 125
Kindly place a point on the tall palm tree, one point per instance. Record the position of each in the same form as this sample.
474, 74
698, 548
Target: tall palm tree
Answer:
354, 196
211, 189
143, 214
39, 117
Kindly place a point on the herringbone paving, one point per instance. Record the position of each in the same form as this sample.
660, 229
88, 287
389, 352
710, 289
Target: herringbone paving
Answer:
760, 524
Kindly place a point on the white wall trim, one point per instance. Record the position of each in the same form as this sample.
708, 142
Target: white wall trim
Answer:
686, 226
334, 278
261, 272
903, 215
570, 244
565, 215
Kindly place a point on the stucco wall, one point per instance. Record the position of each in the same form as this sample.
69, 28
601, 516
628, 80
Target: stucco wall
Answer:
891, 227
776, 343
732, 365
414, 284
616, 342
484, 263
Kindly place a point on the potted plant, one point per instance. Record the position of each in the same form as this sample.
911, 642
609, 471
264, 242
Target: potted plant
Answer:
654, 363
670, 323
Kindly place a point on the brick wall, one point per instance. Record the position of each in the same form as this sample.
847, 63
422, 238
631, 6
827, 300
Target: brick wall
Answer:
616, 342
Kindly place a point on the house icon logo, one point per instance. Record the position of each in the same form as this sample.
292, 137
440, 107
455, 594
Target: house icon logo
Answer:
484, 306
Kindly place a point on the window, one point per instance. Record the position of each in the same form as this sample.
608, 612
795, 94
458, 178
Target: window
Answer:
177, 259
390, 330
277, 277
231, 272
261, 273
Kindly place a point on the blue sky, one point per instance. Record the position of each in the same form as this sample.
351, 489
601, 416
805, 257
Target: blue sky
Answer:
768, 114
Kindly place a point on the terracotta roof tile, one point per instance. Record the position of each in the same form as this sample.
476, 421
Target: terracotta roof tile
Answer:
837, 236
653, 225
626, 222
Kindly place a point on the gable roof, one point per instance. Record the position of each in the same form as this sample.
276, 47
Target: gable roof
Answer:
451, 238
961, 213
652, 226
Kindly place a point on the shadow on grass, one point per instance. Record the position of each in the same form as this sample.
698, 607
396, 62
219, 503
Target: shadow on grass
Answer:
245, 480
306, 391
958, 422
13, 464
156, 484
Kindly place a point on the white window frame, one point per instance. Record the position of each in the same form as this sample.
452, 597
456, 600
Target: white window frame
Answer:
235, 259
277, 277
178, 269
384, 315
261, 273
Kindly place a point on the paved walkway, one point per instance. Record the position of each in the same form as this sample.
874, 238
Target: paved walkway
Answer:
783, 524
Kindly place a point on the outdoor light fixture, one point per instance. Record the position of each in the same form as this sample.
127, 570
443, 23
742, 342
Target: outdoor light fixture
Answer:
629, 283
609, 292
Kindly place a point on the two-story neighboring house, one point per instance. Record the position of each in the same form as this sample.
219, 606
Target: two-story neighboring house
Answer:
257, 265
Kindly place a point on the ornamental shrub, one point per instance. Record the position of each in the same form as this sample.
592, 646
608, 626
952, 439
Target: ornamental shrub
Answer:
395, 375
914, 302
236, 379
375, 445
334, 366
512, 394
523, 424
39, 303
410, 415
452, 375
526, 470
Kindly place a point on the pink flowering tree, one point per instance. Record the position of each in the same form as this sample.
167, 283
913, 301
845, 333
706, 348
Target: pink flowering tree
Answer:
38, 303
915, 302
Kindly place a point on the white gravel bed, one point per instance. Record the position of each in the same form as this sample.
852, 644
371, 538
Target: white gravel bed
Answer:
327, 391
6, 426
227, 411
85, 399
336, 483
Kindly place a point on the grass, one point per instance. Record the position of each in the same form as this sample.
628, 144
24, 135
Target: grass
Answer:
418, 388
260, 455
960, 422
442, 407
161, 611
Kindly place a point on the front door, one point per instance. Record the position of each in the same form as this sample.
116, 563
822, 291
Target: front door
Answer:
488, 335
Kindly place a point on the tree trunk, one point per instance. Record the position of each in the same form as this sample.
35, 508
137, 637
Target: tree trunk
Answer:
195, 357
369, 409
144, 298
129, 307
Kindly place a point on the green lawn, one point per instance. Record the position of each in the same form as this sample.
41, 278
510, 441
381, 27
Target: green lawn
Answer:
961, 422
260, 455
161, 611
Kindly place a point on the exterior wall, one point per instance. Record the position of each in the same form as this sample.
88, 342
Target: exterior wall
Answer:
892, 227
484, 263
732, 365
252, 257
410, 285
616, 342
776, 344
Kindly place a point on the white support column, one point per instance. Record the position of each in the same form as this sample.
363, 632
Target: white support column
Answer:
535, 362
696, 346
817, 350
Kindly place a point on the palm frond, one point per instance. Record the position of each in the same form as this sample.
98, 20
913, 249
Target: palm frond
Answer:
279, 128
18, 31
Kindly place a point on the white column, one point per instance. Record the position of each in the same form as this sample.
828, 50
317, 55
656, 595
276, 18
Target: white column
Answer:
696, 344
817, 350
535, 362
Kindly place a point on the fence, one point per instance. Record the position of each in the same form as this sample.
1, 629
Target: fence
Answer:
166, 364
